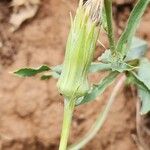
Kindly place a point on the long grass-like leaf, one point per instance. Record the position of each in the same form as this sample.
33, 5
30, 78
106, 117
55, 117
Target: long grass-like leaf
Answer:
133, 22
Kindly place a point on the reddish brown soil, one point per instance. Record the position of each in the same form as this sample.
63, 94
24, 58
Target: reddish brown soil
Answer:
31, 110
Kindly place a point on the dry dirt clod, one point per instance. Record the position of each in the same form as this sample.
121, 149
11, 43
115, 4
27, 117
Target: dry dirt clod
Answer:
24, 2
22, 11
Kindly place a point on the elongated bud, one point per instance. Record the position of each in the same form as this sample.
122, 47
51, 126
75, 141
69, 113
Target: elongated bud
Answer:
73, 82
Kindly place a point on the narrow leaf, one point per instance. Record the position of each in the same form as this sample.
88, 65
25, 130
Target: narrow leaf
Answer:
96, 67
133, 22
50, 75
46, 77
104, 20
108, 12
28, 72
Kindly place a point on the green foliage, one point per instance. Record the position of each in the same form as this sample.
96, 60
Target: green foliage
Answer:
144, 94
144, 72
124, 42
98, 89
142, 81
106, 57
137, 50
55, 71
110, 31
50, 75
104, 20
28, 72
50, 72
97, 67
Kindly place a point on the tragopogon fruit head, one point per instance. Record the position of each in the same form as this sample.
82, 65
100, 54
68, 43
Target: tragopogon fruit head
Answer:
73, 82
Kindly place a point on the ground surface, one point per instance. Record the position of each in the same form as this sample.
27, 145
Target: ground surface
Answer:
31, 110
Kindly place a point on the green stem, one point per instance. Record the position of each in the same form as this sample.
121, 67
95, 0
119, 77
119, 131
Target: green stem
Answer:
108, 10
101, 118
68, 112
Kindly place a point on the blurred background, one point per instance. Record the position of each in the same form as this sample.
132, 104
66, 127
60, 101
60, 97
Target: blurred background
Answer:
32, 33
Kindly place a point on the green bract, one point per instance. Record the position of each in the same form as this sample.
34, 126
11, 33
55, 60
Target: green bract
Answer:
73, 82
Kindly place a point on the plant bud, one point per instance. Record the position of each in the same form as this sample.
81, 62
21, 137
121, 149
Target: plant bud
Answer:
73, 82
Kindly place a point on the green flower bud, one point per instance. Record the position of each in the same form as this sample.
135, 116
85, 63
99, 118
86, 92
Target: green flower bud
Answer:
73, 82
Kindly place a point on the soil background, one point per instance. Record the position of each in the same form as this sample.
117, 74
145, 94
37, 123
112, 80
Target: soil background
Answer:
31, 110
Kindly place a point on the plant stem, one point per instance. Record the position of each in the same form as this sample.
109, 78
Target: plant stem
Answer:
108, 10
101, 118
68, 112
